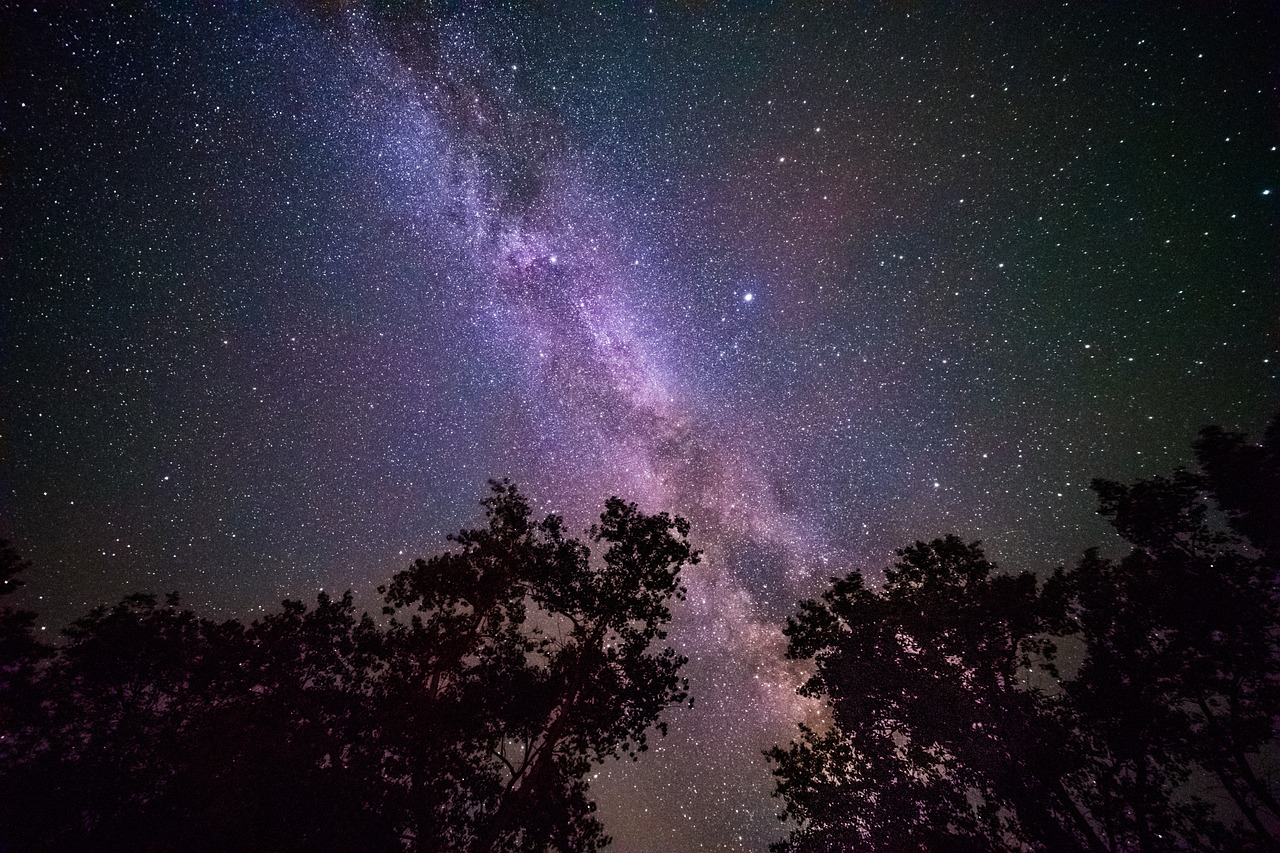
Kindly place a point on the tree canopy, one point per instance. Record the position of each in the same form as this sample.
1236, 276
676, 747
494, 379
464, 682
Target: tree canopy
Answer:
466, 717
1122, 704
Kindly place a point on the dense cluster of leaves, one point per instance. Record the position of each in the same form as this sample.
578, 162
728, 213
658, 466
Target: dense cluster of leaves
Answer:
1125, 704
467, 718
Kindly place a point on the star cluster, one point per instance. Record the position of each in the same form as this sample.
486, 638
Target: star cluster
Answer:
286, 286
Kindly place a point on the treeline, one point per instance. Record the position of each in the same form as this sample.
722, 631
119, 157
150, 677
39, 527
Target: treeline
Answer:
1121, 704
467, 719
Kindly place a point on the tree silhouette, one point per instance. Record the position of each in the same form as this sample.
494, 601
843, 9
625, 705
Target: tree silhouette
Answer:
467, 721
973, 710
522, 662
21, 656
1183, 668
158, 725
936, 741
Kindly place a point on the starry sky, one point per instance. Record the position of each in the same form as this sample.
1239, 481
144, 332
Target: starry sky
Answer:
285, 285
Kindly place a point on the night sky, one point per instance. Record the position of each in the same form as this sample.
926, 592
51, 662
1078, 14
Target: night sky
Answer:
284, 287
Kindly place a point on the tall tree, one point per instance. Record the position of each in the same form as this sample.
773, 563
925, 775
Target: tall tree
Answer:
525, 659
936, 742
953, 725
1183, 633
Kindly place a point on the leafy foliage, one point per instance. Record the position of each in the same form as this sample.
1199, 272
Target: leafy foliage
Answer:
468, 719
954, 726
534, 658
